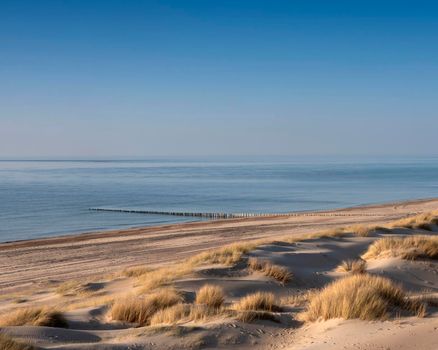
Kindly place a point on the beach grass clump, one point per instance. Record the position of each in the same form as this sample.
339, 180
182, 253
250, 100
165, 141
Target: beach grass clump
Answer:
227, 255
7, 343
251, 316
163, 276
203, 313
136, 271
140, 310
298, 299
35, 316
410, 248
68, 288
366, 230
259, 301
211, 296
74, 288
170, 315
329, 233
187, 313
361, 296
279, 273
418, 221
256, 306
353, 266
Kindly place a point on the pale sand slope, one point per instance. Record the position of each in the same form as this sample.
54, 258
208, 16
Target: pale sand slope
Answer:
30, 264
313, 263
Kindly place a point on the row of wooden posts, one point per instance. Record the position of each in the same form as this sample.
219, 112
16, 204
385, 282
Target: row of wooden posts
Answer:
228, 215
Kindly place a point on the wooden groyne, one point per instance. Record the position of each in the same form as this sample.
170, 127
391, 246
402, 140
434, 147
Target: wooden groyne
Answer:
194, 214
228, 215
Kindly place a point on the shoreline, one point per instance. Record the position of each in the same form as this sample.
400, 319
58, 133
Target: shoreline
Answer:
42, 262
79, 234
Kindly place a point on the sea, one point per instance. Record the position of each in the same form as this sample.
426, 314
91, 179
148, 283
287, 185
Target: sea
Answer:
43, 198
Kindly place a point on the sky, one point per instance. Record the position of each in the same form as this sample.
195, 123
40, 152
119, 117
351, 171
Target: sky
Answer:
207, 77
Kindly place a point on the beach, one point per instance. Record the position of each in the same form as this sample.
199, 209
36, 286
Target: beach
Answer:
82, 275
54, 260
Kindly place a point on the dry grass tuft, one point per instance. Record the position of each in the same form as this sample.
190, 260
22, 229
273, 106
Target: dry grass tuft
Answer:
202, 313
171, 315
366, 230
37, 316
68, 288
259, 301
359, 296
186, 313
136, 271
412, 247
141, 310
250, 316
333, 232
417, 221
7, 343
277, 272
227, 255
353, 266
71, 288
299, 299
163, 276
211, 296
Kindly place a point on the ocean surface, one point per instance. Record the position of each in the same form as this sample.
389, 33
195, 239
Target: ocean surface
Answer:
49, 198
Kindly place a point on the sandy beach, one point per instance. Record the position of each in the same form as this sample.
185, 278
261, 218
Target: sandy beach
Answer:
27, 264
74, 292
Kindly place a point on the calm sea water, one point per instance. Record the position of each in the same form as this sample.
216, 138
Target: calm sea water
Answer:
48, 198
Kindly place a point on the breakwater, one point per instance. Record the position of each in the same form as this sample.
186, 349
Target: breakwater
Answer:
227, 215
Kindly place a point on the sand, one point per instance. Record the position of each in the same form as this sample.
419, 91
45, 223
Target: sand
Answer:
31, 271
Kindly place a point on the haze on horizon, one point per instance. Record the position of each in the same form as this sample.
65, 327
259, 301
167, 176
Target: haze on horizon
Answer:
152, 78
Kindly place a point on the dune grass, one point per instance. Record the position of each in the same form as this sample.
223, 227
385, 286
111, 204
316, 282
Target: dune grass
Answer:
211, 296
136, 271
249, 308
233, 253
183, 313
366, 230
298, 299
363, 296
259, 301
77, 288
356, 230
163, 276
170, 315
411, 248
353, 266
202, 313
423, 221
140, 310
208, 303
227, 255
7, 343
256, 306
280, 273
251, 315
36, 316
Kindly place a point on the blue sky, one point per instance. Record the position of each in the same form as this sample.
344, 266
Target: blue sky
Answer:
152, 78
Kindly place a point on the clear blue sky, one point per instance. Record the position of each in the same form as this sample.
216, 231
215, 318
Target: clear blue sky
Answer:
141, 78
